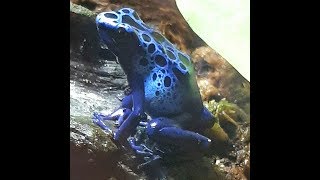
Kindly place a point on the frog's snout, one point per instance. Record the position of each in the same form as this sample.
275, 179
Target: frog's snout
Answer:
107, 19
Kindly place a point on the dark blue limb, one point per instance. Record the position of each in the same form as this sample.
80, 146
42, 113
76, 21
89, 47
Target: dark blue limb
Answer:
118, 115
126, 113
129, 114
113, 116
129, 125
164, 131
140, 149
127, 102
98, 120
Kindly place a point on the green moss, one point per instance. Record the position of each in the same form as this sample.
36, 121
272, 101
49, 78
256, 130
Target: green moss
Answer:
228, 115
225, 110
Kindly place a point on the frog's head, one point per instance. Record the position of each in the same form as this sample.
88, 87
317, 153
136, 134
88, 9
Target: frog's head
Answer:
119, 31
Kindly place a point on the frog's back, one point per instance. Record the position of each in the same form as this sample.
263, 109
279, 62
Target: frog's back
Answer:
169, 77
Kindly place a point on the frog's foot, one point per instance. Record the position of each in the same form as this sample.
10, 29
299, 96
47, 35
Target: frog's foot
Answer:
142, 149
118, 116
164, 131
98, 120
147, 154
128, 116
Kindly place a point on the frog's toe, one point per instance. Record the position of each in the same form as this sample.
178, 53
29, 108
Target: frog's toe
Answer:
115, 115
100, 116
140, 149
98, 120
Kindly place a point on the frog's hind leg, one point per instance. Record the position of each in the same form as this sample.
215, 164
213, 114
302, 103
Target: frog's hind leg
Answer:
207, 120
151, 158
163, 130
140, 149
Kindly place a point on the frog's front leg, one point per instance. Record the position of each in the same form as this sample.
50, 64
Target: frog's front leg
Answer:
129, 124
134, 110
118, 115
164, 131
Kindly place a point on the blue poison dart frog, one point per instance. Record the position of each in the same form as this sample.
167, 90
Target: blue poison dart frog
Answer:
163, 85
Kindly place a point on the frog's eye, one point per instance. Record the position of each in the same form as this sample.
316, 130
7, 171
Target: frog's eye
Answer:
111, 15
